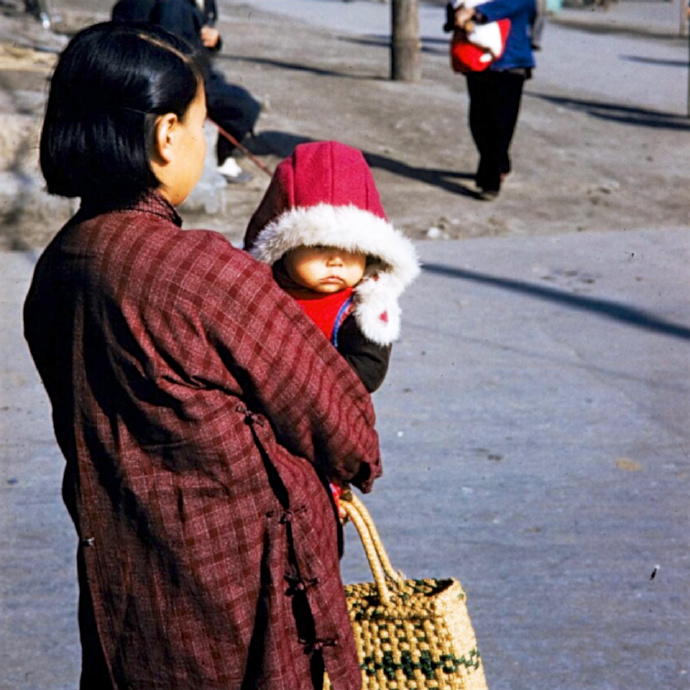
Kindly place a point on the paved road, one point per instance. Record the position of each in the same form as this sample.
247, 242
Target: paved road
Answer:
534, 428
536, 437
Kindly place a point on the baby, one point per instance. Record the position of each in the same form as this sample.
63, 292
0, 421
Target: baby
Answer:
322, 228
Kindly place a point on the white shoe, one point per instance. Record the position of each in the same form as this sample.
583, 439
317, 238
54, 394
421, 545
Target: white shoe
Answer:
232, 172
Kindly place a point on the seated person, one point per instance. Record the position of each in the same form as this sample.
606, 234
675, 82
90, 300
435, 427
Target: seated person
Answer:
231, 107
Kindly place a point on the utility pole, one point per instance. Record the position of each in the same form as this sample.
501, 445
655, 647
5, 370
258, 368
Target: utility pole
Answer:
683, 24
683, 30
406, 58
687, 109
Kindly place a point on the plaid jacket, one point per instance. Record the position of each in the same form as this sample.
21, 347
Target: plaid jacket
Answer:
200, 413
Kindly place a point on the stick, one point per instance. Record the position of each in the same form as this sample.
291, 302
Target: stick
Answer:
244, 150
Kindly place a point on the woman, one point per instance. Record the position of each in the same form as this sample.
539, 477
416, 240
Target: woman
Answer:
201, 414
495, 93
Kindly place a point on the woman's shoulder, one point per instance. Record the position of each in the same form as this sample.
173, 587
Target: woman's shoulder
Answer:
154, 249
145, 228
201, 256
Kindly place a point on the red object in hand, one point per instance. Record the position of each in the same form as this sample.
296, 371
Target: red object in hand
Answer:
337, 492
466, 57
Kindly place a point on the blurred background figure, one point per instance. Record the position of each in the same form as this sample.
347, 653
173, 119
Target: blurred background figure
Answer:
40, 10
538, 24
133, 10
231, 107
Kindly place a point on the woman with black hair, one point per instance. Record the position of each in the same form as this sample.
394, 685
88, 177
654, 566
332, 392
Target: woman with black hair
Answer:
200, 412
230, 106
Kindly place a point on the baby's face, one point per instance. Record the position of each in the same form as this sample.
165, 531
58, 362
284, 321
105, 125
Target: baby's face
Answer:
325, 269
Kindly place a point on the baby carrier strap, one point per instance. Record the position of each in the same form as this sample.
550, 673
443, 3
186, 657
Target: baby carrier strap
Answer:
345, 310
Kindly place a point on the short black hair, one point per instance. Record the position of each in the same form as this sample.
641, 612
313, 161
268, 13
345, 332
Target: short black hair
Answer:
110, 84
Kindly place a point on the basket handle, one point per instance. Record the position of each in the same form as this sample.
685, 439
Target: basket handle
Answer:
379, 562
389, 570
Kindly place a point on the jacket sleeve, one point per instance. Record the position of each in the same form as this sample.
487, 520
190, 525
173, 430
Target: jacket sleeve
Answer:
505, 9
133, 10
368, 359
289, 372
178, 18
210, 12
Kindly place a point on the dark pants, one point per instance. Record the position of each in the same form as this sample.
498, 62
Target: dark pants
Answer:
94, 669
231, 107
494, 106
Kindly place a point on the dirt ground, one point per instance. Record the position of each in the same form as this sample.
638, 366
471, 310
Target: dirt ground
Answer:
576, 168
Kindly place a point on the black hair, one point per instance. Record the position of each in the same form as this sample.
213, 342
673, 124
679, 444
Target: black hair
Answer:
111, 83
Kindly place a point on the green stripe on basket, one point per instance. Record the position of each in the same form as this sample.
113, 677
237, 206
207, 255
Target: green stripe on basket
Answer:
446, 664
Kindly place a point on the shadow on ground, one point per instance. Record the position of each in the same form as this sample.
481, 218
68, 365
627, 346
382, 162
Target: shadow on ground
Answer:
282, 144
601, 307
627, 115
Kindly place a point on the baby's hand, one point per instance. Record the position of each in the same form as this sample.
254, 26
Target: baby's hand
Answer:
337, 492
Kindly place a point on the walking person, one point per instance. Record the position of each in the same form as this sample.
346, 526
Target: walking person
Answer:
495, 93
200, 412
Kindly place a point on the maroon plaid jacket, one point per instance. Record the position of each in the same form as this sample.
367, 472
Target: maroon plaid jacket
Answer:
200, 413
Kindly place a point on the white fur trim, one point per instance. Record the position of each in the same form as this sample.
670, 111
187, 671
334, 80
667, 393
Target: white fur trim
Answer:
353, 229
488, 37
377, 311
345, 227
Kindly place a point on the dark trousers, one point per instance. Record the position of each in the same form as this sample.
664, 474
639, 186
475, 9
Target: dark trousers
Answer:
94, 669
231, 107
494, 106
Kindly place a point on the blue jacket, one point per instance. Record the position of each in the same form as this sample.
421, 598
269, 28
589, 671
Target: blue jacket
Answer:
518, 52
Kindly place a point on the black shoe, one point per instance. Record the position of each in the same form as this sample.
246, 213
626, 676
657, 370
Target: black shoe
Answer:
487, 194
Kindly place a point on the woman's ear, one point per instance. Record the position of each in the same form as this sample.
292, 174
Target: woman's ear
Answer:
164, 134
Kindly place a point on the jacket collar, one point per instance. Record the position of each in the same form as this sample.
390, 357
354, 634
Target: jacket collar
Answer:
150, 201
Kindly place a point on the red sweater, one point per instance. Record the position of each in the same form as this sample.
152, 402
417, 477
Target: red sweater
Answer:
327, 311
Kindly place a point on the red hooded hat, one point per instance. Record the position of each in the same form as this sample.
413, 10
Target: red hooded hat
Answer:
324, 194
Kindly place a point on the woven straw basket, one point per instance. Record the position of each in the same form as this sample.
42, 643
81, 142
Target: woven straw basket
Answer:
410, 634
